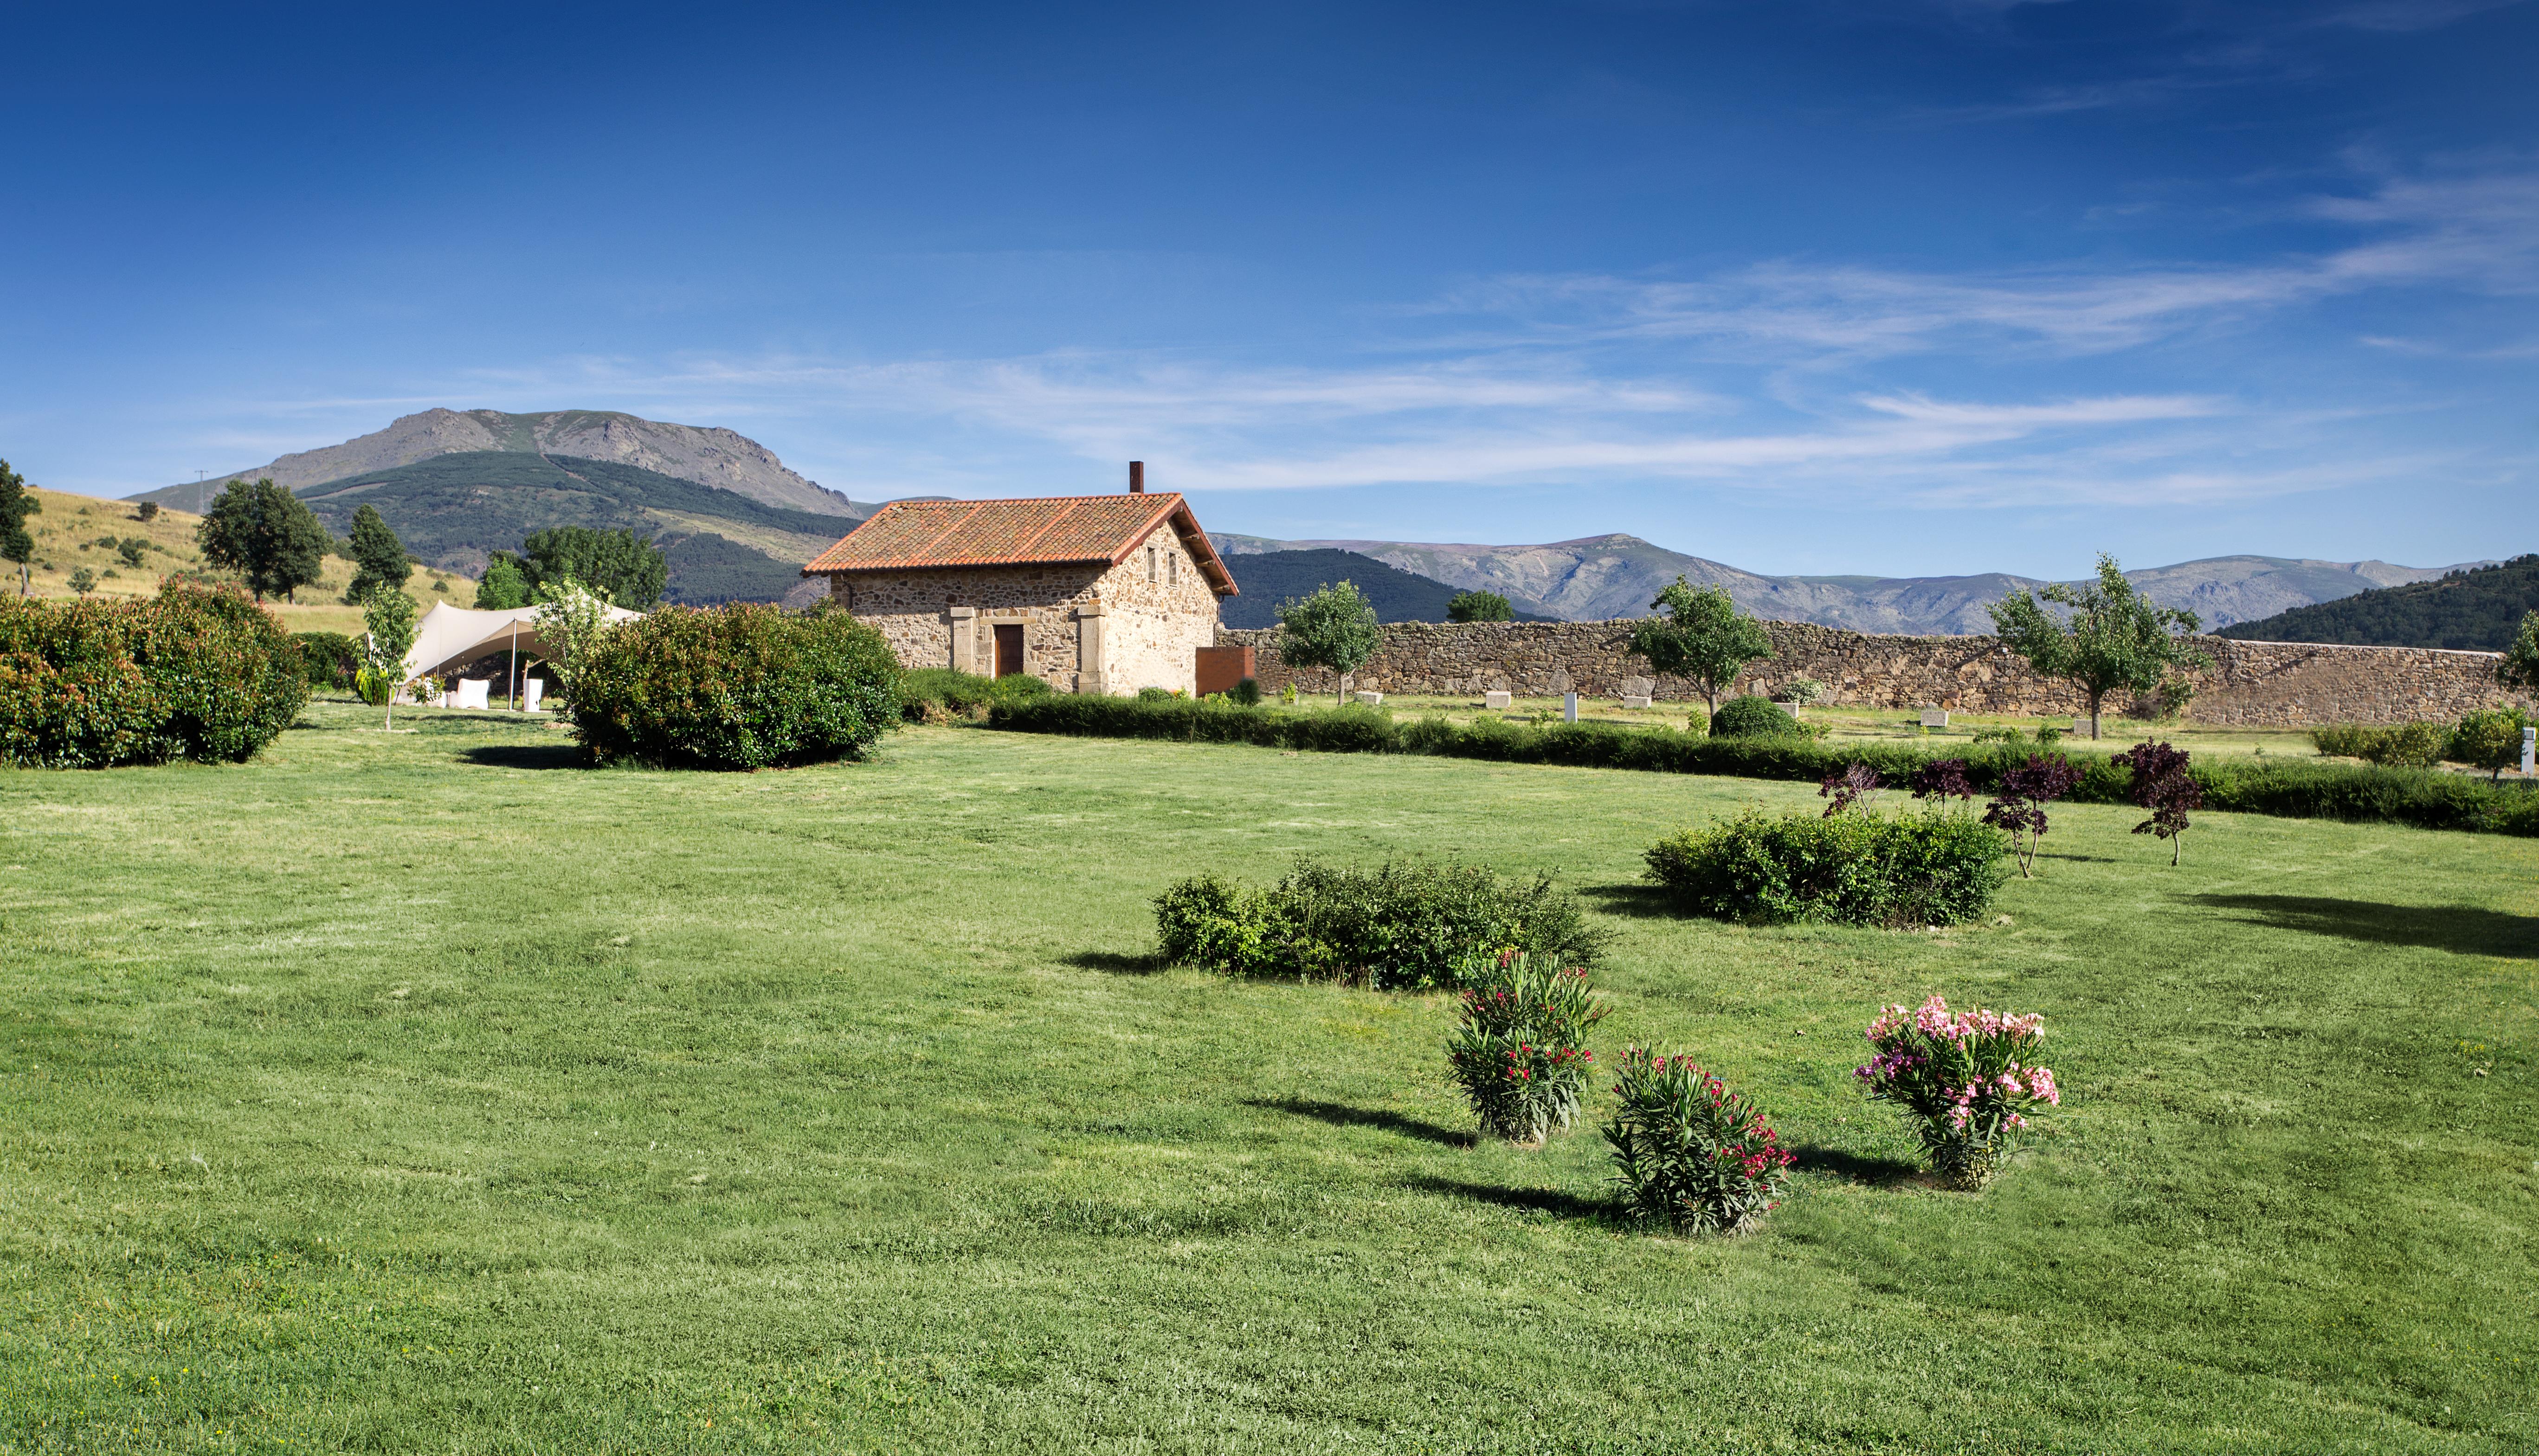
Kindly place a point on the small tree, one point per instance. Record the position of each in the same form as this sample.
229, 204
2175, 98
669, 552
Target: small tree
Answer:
2519, 667
503, 587
15, 542
1702, 637
132, 549
2020, 806
2490, 740
379, 557
2116, 637
1334, 628
572, 618
2161, 786
390, 618
82, 581
149, 511
267, 534
1479, 607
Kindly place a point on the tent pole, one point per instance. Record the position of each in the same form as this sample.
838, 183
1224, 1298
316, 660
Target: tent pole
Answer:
514, 684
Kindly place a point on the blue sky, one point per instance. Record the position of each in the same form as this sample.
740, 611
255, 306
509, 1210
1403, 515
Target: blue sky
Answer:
1807, 286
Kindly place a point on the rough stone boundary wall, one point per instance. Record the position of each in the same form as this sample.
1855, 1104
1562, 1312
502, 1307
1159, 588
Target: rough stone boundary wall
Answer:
2270, 684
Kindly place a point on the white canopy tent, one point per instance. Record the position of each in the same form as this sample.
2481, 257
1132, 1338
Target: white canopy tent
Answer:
448, 637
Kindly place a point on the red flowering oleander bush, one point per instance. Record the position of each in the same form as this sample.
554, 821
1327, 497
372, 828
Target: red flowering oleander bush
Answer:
1689, 1152
1520, 1053
194, 672
741, 686
1969, 1081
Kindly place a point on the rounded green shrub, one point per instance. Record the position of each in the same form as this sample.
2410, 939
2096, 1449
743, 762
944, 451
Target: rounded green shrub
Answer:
1520, 1052
1935, 868
740, 687
328, 658
191, 673
1752, 717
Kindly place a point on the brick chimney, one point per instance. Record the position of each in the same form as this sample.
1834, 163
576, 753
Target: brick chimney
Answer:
1137, 478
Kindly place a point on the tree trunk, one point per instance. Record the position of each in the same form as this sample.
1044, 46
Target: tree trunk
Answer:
2094, 715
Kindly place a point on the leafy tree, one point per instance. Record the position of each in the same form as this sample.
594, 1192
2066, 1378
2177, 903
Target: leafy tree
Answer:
132, 549
1333, 628
2161, 786
149, 511
379, 557
572, 618
15, 542
1702, 637
504, 587
267, 534
82, 581
2520, 664
2116, 637
390, 618
2490, 740
1479, 607
631, 570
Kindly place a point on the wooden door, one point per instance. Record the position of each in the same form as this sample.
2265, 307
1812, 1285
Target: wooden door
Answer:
1009, 649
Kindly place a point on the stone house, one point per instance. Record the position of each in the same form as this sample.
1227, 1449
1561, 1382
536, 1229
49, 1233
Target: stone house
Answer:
1090, 593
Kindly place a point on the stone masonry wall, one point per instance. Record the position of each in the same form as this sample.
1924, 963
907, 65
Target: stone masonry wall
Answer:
2251, 683
1152, 630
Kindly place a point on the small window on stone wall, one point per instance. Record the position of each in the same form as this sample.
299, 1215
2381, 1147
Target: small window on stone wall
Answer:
1150, 563
1172, 570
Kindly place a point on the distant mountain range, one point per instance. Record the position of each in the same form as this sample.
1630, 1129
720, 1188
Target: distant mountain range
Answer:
1595, 577
2470, 611
737, 524
1269, 577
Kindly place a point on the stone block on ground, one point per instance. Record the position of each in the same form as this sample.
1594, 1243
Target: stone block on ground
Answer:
1934, 717
1370, 699
1499, 701
1635, 700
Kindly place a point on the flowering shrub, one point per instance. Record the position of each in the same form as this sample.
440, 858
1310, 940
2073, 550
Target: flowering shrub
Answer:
191, 673
1690, 1153
1968, 1080
1519, 1054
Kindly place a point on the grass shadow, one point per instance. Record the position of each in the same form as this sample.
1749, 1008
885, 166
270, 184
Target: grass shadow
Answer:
1852, 1167
1115, 962
1341, 1115
1552, 1201
525, 756
1639, 901
2462, 930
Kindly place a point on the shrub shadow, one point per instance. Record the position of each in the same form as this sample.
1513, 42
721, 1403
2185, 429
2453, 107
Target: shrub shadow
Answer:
526, 756
1341, 1115
1550, 1201
1115, 962
1640, 901
1877, 1172
2462, 930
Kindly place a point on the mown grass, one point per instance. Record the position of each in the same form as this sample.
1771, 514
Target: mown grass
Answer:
418, 1091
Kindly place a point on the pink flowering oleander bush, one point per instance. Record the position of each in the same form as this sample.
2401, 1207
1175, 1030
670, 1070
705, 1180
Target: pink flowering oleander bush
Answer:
1970, 1079
1690, 1153
1520, 1052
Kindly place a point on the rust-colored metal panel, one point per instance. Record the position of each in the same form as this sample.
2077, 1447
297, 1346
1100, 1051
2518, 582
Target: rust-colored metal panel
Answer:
1009, 649
1222, 668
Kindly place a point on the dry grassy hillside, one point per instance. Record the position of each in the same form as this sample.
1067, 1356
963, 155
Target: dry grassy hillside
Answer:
75, 531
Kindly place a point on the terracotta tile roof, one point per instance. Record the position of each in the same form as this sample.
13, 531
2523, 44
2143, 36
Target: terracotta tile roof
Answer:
1047, 530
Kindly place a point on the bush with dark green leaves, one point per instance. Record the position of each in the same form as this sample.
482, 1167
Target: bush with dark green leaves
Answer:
1849, 868
932, 694
191, 673
328, 658
1399, 925
2490, 740
740, 686
2290, 788
1751, 717
1246, 693
2398, 746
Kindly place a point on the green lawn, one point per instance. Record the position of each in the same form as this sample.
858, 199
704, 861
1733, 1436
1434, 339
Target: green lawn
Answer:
419, 1092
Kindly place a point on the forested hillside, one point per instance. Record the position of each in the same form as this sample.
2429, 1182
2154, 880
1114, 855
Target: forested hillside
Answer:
2473, 611
1270, 577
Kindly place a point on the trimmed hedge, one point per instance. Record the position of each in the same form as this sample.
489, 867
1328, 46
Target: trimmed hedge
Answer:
936, 693
1751, 717
2289, 788
740, 687
191, 673
1930, 868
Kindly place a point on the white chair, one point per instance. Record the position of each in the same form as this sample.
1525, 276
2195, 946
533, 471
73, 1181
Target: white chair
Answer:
471, 692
